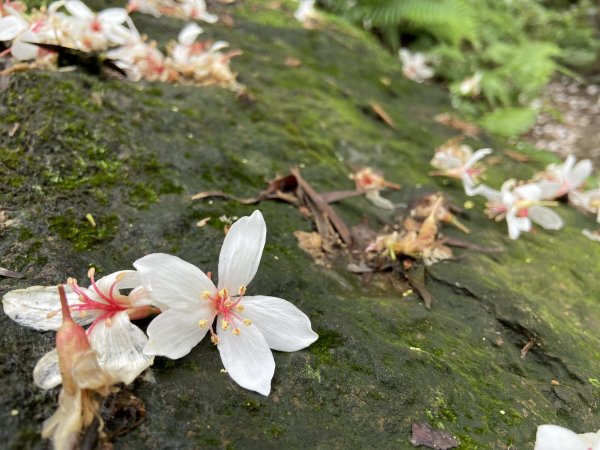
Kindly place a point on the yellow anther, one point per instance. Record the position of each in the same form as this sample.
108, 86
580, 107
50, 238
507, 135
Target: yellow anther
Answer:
236, 331
247, 322
108, 323
214, 339
228, 303
83, 314
51, 314
224, 325
81, 298
223, 293
71, 281
91, 272
240, 308
202, 323
242, 290
205, 295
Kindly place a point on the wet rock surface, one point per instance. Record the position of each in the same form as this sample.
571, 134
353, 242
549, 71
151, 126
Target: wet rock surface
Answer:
133, 154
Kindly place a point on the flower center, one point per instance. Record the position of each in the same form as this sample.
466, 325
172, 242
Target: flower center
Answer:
229, 308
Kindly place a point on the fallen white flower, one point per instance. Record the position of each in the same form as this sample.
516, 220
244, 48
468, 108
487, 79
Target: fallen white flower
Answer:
415, 65
459, 161
247, 326
553, 437
568, 175
588, 201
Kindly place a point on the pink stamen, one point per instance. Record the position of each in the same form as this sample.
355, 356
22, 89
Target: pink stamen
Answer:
5, 52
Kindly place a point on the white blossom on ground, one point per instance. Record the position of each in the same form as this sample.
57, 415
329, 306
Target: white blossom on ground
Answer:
521, 205
415, 66
593, 235
588, 201
117, 341
184, 9
247, 326
459, 161
373, 182
568, 175
471, 86
307, 14
553, 437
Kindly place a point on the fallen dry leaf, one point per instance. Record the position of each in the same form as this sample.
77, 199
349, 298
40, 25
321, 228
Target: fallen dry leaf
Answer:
424, 434
468, 129
312, 243
292, 62
10, 273
383, 115
516, 156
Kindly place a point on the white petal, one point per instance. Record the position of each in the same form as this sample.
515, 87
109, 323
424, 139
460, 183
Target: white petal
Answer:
548, 189
46, 373
113, 16
117, 34
284, 326
516, 225
30, 307
119, 345
23, 51
376, 198
174, 333
581, 171
247, 358
79, 10
553, 437
219, 45
173, 283
188, 35
529, 191
241, 252
479, 154
545, 217
129, 280
208, 18
469, 186
10, 27
490, 194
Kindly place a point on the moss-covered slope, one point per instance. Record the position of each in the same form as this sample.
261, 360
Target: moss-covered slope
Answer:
132, 154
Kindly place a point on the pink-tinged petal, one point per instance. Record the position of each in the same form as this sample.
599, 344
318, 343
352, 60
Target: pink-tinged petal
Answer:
582, 170
79, 10
284, 326
553, 437
241, 252
188, 35
172, 282
11, 27
546, 218
208, 18
174, 333
117, 34
38, 307
113, 16
247, 358
46, 373
119, 345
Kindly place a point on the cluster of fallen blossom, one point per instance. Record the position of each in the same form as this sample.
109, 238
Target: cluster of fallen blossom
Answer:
72, 25
521, 203
187, 305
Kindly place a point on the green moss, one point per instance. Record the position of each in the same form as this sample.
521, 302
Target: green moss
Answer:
80, 232
321, 349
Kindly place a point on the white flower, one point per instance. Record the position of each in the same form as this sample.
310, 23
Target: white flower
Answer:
306, 13
18, 30
117, 341
458, 161
196, 9
588, 201
521, 205
415, 65
368, 180
553, 437
470, 87
568, 175
247, 326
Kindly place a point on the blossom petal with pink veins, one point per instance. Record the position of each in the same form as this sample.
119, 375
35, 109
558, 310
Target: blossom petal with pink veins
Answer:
38, 307
247, 358
172, 282
11, 27
553, 437
79, 10
188, 35
582, 170
241, 252
545, 217
46, 374
284, 326
119, 345
174, 333
516, 225
113, 16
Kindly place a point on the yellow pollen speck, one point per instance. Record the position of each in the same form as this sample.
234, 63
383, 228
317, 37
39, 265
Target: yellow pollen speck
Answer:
224, 325
202, 323
81, 298
223, 371
228, 303
205, 295
407, 293
108, 322
223, 293
247, 322
214, 339
236, 331
468, 204
51, 314
121, 276
91, 272
242, 290
240, 308
83, 314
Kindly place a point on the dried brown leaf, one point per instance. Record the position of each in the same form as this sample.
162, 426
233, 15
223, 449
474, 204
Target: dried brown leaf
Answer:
382, 114
424, 434
10, 273
468, 129
516, 156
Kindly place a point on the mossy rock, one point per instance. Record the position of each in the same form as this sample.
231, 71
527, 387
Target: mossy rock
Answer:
132, 154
